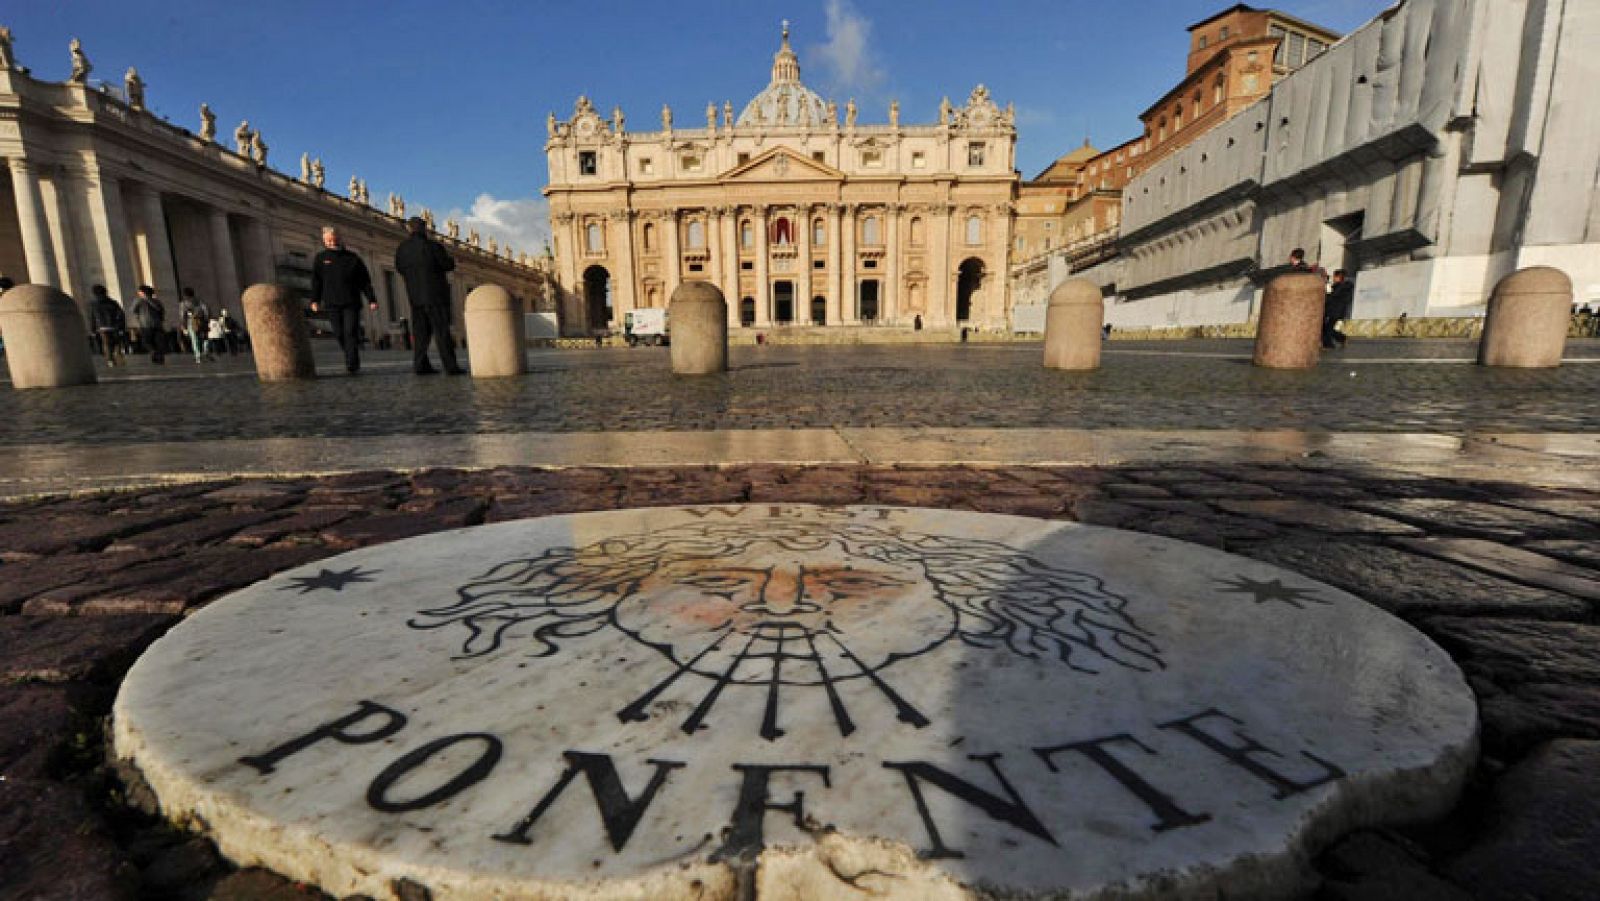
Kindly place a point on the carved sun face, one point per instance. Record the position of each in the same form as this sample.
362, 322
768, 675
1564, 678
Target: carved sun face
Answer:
702, 612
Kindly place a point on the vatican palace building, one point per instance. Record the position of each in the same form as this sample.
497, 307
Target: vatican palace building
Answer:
802, 213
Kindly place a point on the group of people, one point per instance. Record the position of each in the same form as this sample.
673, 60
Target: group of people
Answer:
1340, 301
206, 334
340, 281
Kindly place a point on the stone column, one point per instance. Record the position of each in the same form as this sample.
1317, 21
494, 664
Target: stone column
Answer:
835, 266
763, 292
941, 305
279, 338
849, 308
1072, 326
802, 281
625, 289
155, 251
36, 245
699, 330
494, 326
109, 222
730, 262
1289, 334
672, 273
258, 263
1527, 320
889, 303
45, 338
714, 247
222, 261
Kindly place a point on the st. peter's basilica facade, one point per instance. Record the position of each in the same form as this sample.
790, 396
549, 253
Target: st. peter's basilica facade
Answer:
800, 213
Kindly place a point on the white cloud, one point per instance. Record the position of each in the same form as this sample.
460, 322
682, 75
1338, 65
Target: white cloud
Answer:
524, 223
846, 57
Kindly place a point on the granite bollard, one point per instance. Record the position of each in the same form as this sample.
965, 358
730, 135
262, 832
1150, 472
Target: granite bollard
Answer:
699, 329
495, 341
45, 337
279, 337
1072, 326
1527, 320
1289, 334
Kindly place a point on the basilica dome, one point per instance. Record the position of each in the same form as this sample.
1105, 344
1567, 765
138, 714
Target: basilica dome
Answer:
785, 101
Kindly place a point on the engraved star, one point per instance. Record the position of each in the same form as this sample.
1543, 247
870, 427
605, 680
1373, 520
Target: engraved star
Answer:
1274, 590
329, 579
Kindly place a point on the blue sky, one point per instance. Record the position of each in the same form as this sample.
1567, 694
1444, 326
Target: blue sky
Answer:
444, 103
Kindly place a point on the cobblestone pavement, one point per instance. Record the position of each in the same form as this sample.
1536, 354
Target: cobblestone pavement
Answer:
1503, 574
1384, 386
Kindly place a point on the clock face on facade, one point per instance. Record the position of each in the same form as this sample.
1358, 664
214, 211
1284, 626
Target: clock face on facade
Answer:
585, 127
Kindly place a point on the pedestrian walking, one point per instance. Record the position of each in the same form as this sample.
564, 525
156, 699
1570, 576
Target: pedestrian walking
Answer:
109, 322
151, 314
194, 317
338, 282
1340, 304
423, 262
232, 333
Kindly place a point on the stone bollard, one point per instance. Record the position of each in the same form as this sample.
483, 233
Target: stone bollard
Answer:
47, 340
1289, 335
495, 341
1526, 324
279, 337
1072, 326
699, 317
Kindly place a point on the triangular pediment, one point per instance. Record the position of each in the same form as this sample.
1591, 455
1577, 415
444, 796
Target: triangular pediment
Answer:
782, 164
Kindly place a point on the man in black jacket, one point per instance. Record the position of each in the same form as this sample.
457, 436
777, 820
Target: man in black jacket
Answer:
1340, 304
338, 282
151, 314
423, 263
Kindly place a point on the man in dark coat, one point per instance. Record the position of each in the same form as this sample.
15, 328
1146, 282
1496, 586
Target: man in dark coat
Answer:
423, 263
109, 322
1341, 302
151, 314
338, 282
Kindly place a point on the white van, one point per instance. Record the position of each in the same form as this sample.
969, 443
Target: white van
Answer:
645, 327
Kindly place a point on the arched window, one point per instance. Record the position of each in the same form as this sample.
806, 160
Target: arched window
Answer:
1217, 91
819, 232
747, 235
782, 231
916, 231
974, 230
649, 236
697, 234
594, 238
1161, 130
1197, 101
1177, 118
869, 231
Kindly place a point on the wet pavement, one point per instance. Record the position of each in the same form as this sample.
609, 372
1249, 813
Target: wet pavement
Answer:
1373, 386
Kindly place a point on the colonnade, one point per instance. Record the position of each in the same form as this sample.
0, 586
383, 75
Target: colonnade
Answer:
80, 229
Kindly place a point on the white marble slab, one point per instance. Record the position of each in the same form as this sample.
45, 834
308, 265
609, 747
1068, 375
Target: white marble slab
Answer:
673, 702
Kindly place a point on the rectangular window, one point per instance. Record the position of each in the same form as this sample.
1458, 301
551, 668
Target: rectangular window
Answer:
1297, 48
871, 158
819, 156
819, 264
975, 153
647, 166
696, 267
919, 160
1202, 47
746, 265
691, 162
1223, 34
587, 164
1314, 49
869, 264
744, 158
